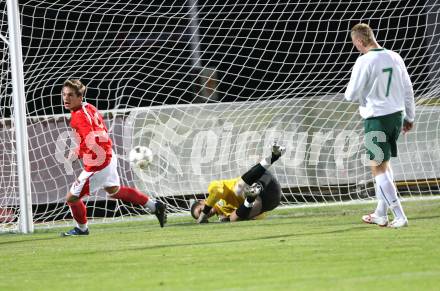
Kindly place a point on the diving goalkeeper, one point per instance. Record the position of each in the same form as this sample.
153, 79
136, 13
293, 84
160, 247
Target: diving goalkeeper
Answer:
242, 198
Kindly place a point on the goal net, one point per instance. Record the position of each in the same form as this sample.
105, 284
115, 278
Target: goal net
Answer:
208, 86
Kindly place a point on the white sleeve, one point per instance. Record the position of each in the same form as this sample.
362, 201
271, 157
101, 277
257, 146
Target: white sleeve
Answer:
408, 95
357, 82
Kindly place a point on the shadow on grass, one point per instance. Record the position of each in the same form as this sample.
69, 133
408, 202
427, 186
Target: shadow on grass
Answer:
29, 240
269, 221
247, 224
221, 242
423, 217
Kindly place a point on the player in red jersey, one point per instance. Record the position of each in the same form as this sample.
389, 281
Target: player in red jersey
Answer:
99, 161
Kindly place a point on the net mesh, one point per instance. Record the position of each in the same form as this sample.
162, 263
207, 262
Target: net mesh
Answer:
8, 176
208, 85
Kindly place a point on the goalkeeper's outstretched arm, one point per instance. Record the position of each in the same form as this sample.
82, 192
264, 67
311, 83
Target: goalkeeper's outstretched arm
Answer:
215, 193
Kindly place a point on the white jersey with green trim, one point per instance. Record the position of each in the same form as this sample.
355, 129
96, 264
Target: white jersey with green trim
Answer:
381, 84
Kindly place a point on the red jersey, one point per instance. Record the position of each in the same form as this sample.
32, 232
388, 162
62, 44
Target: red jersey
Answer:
95, 146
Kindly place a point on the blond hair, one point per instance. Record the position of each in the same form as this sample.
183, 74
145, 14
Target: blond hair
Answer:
76, 85
364, 33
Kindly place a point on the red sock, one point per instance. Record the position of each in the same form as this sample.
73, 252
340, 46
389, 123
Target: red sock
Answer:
79, 211
132, 195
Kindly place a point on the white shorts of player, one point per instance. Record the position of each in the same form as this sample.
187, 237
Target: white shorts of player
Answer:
95, 181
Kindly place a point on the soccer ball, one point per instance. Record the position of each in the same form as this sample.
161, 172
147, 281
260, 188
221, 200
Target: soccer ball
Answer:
140, 157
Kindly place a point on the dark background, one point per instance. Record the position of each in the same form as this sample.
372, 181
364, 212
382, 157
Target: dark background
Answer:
138, 53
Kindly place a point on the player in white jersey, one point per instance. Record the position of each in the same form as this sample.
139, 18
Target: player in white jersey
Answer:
381, 84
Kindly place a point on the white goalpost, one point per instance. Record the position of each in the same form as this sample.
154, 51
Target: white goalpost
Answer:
24, 212
207, 86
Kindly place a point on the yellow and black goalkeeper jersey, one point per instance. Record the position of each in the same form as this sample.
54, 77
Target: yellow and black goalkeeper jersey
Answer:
222, 196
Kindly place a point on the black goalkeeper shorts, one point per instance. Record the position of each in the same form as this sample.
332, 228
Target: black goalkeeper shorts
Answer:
271, 194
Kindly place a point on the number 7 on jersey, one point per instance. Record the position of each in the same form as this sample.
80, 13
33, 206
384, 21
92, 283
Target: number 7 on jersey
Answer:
390, 76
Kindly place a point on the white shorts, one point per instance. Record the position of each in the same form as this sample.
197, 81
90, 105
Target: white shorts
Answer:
90, 182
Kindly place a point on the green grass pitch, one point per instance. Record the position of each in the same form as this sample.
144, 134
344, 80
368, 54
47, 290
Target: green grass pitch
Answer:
322, 248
